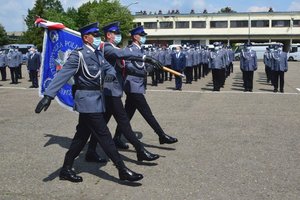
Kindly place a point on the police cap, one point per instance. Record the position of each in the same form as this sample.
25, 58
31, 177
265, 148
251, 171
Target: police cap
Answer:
112, 27
138, 31
91, 28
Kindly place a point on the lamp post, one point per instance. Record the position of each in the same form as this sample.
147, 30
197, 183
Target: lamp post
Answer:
136, 2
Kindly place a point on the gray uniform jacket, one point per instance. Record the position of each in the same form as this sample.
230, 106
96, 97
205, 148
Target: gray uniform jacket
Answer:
85, 101
114, 56
161, 57
12, 59
248, 60
279, 61
189, 58
205, 56
168, 57
135, 83
267, 59
3, 60
217, 60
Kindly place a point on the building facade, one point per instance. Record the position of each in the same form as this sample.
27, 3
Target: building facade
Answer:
229, 28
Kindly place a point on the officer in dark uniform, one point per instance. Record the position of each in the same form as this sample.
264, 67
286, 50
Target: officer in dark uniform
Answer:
88, 101
134, 88
113, 91
33, 66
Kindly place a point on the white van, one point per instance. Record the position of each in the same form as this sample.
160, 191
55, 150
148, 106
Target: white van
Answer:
260, 49
294, 52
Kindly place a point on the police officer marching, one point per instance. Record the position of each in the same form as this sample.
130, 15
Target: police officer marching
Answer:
113, 91
88, 67
134, 88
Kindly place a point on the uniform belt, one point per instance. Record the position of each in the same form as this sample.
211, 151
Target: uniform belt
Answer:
87, 87
136, 74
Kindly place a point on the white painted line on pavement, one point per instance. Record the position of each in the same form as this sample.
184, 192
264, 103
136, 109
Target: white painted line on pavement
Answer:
17, 88
228, 92
298, 89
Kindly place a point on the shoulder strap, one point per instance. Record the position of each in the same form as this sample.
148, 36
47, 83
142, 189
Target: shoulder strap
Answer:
85, 69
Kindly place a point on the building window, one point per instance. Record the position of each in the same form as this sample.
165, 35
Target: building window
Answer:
219, 24
166, 25
296, 23
198, 24
150, 25
239, 24
281, 23
183, 24
138, 24
260, 23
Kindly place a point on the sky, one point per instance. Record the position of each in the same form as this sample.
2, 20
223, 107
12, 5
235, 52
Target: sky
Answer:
13, 12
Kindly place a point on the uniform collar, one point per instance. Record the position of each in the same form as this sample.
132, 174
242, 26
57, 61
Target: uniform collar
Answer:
90, 47
138, 46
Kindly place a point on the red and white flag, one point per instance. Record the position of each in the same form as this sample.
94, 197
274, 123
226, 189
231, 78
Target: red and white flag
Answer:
48, 24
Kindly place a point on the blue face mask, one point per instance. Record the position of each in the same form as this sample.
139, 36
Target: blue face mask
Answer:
96, 42
118, 38
143, 39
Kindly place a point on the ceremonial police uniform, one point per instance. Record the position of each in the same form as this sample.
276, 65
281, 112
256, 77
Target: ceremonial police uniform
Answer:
205, 61
248, 64
113, 91
168, 59
268, 62
12, 62
135, 88
20, 60
88, 67
217, 62
279, 66
3, 64
189, 55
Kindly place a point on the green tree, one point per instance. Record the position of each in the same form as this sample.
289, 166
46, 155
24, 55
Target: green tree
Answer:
109, 11
226, 10
45, 9
3, 36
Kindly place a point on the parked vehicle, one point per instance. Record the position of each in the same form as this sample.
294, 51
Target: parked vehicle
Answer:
260, 49
294, 52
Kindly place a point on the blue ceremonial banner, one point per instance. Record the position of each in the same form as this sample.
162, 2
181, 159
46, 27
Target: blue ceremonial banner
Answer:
57, 46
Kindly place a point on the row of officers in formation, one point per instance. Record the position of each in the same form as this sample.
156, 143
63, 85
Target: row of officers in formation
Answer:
194, 62
14, 60
198, 62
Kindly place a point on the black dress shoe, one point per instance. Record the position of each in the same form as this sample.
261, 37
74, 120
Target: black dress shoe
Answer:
120, 144
167, 139
69, 175
94, 157
275, 90
126, 174
31, 86
146, 155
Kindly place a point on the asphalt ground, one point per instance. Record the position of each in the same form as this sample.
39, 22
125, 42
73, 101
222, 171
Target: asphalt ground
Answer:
232, 144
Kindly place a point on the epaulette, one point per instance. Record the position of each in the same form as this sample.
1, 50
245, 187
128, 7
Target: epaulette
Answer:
79, 49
